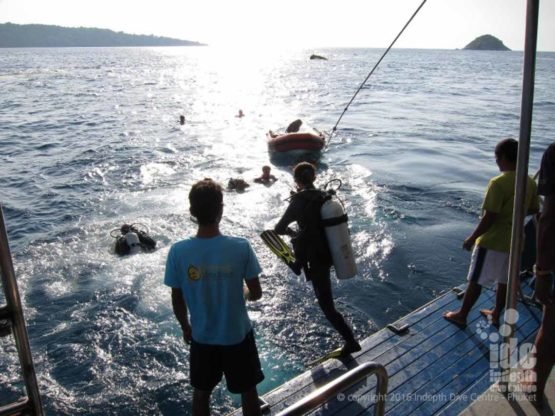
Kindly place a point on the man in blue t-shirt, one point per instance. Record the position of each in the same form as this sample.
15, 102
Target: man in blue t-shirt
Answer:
206, 274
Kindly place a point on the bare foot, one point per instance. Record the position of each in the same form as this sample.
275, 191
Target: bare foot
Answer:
455, 318
491, 316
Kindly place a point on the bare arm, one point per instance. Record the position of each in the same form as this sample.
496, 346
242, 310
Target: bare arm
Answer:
180, 311
487, 220
253, 290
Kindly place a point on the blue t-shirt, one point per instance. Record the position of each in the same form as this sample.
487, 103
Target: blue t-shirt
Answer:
210, 273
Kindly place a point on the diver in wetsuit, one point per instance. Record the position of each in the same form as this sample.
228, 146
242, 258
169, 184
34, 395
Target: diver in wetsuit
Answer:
132, 240
311, 247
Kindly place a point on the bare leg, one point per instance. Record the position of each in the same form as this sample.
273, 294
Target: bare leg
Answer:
471, 295
500, 297
201, 402
250, 403
545, 350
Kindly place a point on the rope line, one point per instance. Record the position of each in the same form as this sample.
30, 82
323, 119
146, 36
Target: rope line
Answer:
373, 69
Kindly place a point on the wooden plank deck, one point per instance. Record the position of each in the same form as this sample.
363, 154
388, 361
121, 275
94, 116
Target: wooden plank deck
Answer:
493, 403
433, 368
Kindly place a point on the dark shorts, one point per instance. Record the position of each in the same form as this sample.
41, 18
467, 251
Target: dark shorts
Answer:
239, 363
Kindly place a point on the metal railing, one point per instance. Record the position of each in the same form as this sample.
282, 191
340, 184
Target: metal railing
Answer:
13, 312
521, 180
340, 384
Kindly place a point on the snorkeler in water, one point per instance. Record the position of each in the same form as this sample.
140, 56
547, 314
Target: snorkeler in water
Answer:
266, 178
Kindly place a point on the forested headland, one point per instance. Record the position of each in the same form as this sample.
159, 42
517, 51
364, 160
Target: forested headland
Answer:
35, 35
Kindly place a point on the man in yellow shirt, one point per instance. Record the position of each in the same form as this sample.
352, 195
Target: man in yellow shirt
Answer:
491, 239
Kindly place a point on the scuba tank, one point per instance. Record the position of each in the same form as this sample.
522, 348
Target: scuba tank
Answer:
334, 220
133, 242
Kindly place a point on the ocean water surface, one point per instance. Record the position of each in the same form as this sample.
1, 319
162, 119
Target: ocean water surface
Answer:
90, 139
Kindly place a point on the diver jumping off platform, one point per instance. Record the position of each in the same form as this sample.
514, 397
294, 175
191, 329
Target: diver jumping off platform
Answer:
319, 244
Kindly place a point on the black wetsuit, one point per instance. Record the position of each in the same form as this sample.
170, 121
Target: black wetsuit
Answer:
311, 249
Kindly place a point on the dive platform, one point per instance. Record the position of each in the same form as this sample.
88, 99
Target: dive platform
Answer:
433, 366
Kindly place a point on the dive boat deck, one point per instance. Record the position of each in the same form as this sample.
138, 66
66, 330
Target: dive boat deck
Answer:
433, 367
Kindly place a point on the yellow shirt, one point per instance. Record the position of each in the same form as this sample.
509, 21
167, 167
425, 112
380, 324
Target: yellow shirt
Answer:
499, 200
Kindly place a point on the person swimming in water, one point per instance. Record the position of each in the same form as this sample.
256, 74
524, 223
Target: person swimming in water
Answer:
132, 240
266, 178
237, 184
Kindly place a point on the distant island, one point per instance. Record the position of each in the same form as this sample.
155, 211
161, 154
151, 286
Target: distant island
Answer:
314, 56
38, 36
486, 43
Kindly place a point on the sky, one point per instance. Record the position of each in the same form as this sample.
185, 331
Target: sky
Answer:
441, 24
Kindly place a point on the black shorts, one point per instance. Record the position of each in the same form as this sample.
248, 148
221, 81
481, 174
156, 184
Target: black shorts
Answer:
239, 363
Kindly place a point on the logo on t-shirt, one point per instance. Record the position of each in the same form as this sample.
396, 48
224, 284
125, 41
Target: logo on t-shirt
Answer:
194, 273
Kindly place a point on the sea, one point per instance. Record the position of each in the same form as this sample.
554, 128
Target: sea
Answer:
90, 139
